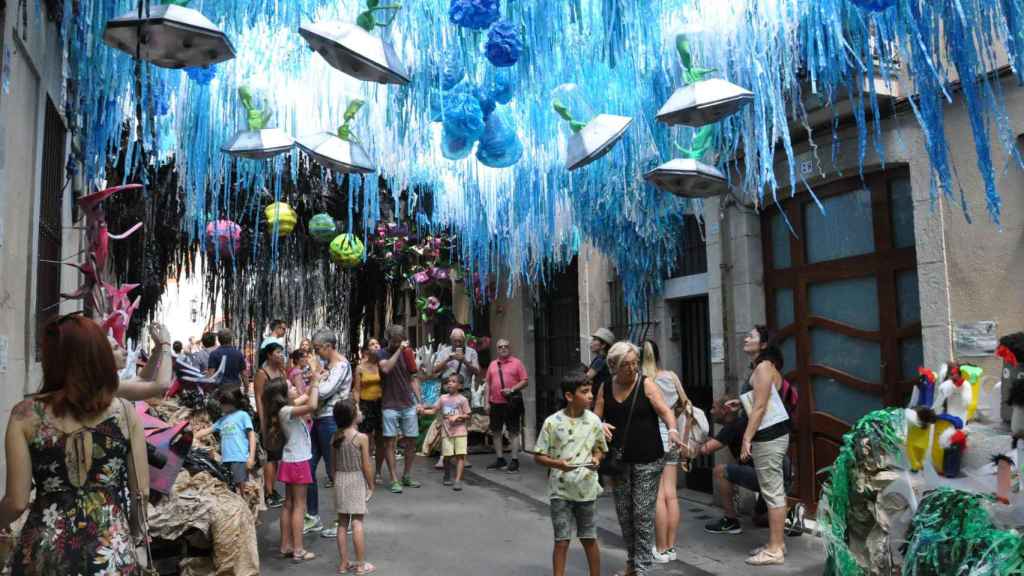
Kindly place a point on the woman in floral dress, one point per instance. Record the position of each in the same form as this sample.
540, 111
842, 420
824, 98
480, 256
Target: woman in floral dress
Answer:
70, 442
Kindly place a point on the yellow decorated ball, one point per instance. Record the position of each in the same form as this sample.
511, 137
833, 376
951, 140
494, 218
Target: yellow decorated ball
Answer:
347, 250
281, 215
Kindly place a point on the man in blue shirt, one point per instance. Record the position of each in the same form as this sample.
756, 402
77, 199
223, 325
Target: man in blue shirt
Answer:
235, 359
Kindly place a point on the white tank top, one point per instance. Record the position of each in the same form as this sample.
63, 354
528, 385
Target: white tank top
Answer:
775, 413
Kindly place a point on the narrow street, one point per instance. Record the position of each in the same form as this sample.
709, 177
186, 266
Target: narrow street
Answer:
499, 525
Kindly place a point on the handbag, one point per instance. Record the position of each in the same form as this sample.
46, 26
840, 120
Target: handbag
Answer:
612, 464
138, 476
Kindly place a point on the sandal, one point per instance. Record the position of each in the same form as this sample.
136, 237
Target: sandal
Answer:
286, 554
765, 558
366, 568
301, 556
344, 569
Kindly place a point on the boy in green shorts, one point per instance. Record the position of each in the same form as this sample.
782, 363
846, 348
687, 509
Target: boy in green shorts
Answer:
571, 444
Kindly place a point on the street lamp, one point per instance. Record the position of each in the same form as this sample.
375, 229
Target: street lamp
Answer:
169, 36
355, 52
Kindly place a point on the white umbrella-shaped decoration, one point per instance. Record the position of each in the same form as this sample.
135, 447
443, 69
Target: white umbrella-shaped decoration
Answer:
688, 178
353, 50
341, 151
258, 142
169, 35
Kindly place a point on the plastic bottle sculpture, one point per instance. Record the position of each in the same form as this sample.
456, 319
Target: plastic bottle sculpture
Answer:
952, 397
919, 430
257, 142
224, 237
347, 250
322, 227
280, 217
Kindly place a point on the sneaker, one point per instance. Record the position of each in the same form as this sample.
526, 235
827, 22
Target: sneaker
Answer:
274, 500
410, 483
658, 557
312, 524
396, 488
458, 486
498, 464
328, 483
331, 532
671, 554
724, 526
760, 549
513, 467
766, 558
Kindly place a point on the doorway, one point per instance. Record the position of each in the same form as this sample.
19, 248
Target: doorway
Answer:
691, 334
557, 338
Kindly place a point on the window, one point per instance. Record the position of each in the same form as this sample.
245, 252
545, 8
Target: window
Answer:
693, 254
841, 287
50, 225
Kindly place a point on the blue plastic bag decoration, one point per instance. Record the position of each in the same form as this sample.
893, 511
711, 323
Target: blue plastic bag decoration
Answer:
463, 117
452, 70
499, 146
501, 85
874, 5
483, 97
504, 45
202, 75
475, 14
455, 147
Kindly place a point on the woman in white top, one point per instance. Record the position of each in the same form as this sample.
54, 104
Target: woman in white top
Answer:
666, 512
286, 411
766, 438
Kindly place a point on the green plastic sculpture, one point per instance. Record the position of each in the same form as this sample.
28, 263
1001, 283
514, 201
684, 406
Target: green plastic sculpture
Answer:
704, 139
563, 111
256, 118
367, 19
345, 130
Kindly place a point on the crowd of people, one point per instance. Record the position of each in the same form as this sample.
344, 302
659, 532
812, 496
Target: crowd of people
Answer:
627, 426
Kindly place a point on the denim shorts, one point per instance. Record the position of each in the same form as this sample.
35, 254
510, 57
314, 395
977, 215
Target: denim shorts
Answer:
567, 515
402, 423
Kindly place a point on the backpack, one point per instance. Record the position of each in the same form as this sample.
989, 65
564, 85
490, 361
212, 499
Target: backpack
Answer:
790, 399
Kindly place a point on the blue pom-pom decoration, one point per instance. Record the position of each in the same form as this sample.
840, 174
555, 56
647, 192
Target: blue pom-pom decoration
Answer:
475, 14
487, 103
453, 70
504, 45
455, 147
874, 5
463, 117
501, 86
201, 75
499, 146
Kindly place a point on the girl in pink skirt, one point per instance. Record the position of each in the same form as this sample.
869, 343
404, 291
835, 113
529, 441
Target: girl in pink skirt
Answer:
286, 410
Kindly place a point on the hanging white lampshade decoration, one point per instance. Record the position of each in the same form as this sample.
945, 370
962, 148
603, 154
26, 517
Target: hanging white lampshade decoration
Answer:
341, 151
258, 142
587, 141
353, 50
688, 178
170, 36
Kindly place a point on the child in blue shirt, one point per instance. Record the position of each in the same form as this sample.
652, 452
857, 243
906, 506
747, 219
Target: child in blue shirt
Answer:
237, 437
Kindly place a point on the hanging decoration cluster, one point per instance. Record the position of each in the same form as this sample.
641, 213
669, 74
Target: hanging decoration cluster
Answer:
459, 74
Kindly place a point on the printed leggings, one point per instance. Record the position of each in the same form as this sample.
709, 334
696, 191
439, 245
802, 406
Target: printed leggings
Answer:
635, 495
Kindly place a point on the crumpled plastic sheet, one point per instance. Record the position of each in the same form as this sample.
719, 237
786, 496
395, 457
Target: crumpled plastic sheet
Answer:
207, 505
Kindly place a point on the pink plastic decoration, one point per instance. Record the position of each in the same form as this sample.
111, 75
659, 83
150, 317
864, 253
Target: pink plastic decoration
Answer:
224, 236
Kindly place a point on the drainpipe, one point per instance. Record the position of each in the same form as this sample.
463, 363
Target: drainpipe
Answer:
725, 268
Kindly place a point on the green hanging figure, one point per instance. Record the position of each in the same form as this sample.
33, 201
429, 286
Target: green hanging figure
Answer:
704, 139
256, 118
367, 19
345, 130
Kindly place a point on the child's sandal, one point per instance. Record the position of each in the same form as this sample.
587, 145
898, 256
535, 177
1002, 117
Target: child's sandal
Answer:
366, 568
302, 556
344, 569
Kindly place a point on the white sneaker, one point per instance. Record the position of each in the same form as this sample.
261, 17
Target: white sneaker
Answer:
658, 557
671, 554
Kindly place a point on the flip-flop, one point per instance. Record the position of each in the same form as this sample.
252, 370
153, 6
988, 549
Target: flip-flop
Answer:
345, 570
366, 568
302, 556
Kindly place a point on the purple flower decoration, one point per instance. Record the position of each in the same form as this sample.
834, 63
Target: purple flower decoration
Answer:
421, 277
439, 274
503, 44
475, 14
433, 304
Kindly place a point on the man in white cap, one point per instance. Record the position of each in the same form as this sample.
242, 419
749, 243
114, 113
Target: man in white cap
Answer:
600, 341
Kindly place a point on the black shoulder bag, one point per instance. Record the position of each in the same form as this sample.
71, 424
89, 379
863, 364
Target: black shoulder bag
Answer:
515, 399
612, 464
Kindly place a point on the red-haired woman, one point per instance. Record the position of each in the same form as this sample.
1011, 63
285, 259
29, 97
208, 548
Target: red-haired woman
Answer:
70, 442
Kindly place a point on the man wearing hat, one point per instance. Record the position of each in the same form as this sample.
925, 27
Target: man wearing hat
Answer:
600, 341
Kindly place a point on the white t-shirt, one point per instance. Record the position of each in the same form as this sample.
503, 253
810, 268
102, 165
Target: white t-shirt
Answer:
298, 448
